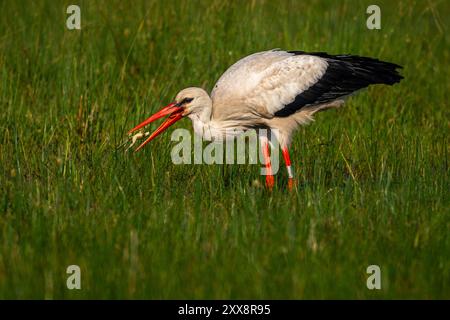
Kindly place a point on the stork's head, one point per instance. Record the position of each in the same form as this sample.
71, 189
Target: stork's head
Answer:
191, 102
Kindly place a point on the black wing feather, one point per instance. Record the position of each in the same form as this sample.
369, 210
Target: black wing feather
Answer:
344, 75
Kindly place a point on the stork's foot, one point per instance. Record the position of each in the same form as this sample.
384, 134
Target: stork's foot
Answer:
292, 183
270, 182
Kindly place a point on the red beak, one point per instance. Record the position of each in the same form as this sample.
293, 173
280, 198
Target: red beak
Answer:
175, 114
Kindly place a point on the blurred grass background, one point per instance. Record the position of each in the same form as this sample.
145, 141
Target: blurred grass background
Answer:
373, 176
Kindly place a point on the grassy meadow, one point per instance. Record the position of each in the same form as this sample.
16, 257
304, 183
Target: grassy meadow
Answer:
373, 176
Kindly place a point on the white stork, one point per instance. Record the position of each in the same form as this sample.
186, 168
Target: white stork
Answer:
273, 90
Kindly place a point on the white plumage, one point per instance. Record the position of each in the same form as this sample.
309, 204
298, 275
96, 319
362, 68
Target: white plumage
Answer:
269, 79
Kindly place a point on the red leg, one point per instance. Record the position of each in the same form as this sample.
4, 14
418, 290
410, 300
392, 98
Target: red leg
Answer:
287, 160
269, 176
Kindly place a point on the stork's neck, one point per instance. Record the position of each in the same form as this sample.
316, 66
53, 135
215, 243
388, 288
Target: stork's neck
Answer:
201, 116
207, 127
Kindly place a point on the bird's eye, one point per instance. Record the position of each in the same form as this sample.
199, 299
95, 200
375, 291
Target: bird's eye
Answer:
186, 100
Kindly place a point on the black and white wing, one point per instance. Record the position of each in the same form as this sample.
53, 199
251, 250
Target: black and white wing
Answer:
283, 82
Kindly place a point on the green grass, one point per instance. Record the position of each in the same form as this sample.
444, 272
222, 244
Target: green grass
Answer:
373, 176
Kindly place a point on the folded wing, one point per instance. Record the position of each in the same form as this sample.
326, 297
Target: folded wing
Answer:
282, 83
